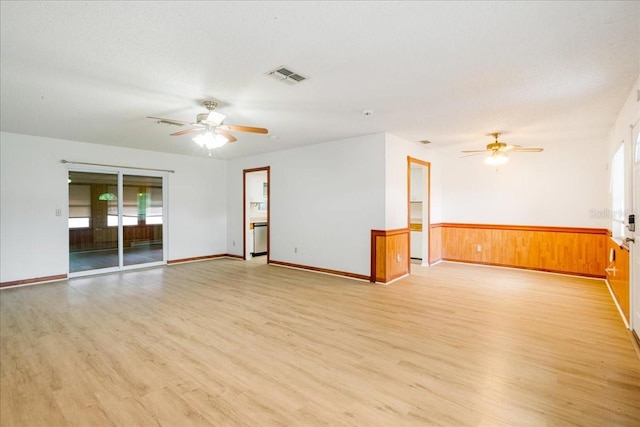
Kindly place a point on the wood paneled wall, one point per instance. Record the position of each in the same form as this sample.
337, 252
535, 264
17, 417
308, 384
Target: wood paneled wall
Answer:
389, 254
81, 239
435, 243
618, 275
580, 251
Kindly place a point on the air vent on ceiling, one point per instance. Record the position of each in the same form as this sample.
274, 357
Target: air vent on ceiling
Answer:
285, 75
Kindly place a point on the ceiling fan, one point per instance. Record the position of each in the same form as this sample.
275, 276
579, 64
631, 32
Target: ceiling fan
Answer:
215, 134
498, 151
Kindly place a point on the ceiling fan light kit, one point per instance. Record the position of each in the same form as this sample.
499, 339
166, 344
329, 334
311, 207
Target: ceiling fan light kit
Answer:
496, 159
210, 140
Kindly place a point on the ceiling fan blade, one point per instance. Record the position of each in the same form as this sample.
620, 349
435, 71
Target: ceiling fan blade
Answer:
243, 128
474, 154
227, 135
170, 121
509, 148
186, 131
528, 150
476, 151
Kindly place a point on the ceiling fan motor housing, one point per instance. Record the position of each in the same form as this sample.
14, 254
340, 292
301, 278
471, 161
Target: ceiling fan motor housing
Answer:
496, 145
210, 105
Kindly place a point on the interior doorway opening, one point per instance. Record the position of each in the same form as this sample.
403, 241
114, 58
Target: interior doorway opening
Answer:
256, 213
419, 206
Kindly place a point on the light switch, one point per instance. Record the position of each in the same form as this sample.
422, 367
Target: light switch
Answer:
58, 212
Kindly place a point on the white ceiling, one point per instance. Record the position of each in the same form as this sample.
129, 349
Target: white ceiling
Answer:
449, 72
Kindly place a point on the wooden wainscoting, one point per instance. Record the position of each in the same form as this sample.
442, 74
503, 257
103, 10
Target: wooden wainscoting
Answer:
81, 239
580, 251
618, 275
435, 243
389, 254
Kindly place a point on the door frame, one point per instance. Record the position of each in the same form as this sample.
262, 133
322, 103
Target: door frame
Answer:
634, 245
244, 210
426, 226
120, 172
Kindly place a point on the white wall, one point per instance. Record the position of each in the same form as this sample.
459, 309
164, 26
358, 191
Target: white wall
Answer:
629, 114
621, 131
325, 199
561, 186
33, 184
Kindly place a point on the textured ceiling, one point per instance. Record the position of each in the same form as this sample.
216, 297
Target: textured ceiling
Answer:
449, 72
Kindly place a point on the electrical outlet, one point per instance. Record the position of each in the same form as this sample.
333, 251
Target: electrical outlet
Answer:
234, 243
58, 212
478, 248
295, 250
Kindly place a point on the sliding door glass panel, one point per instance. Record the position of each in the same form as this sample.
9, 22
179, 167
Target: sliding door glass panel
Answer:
93, 236
142, 218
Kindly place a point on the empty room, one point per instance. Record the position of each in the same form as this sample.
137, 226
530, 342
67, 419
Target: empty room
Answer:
355, 213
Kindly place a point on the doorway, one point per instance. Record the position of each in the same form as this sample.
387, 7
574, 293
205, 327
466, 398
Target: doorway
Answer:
256, 213
419, 207
116, 221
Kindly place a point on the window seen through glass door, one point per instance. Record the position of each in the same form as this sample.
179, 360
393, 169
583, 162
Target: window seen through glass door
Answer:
93, 245
142, 219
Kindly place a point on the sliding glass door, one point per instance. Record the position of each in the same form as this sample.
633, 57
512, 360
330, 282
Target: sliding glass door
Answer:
116, 221
142, 217
93, 241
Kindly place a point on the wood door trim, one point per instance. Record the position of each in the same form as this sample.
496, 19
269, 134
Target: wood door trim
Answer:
426, 224
244, 210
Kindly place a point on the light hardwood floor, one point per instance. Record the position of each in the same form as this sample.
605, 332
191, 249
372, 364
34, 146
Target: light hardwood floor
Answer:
227, 342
